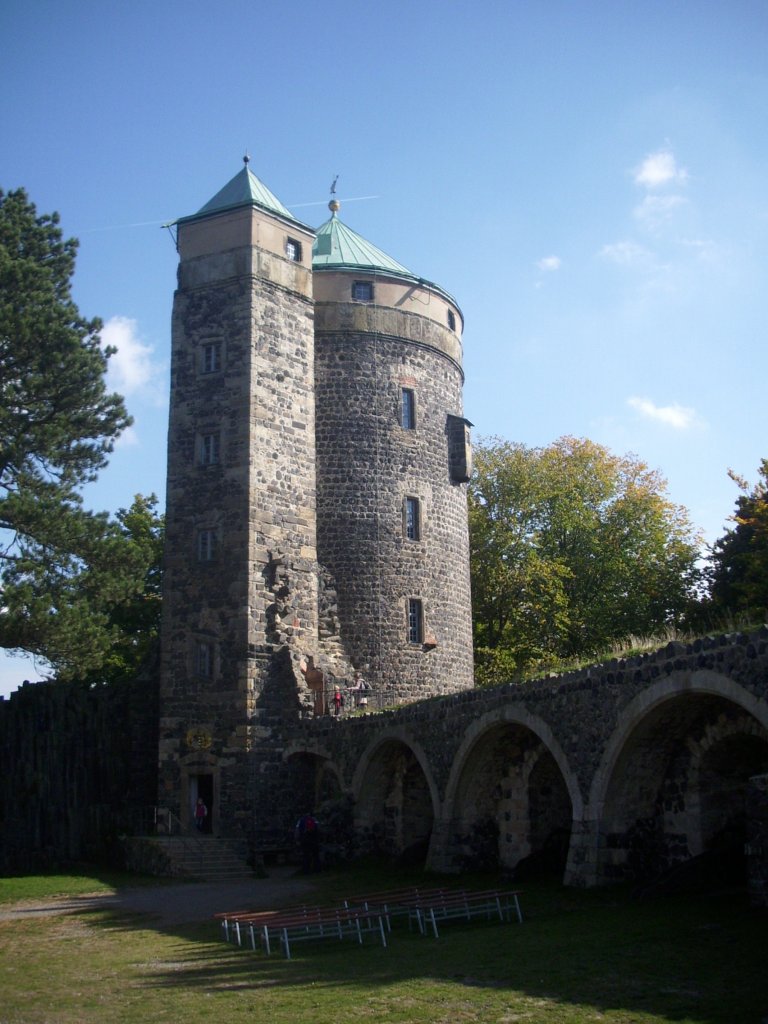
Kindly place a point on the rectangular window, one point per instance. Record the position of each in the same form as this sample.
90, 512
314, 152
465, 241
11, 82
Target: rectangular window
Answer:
451, 320
293, 250
408, 409
412, 519
209, 449
204, 658
362, 291
415, 621
206, 545
210, 360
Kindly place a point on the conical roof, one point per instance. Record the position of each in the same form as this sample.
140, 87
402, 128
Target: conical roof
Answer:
245, 189
338, 247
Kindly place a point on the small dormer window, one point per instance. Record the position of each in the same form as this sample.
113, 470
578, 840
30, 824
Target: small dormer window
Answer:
293, 250
362, 291
451, 320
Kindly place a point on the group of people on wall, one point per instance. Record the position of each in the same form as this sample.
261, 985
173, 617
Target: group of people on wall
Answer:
358, 691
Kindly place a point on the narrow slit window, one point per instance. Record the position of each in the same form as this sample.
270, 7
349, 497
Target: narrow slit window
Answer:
206, 545
415, 621
412, 519
209, 449
408, 409
204, 658
210, 358
451, 320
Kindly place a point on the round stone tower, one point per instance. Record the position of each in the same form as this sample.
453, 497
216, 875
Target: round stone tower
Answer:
393, 460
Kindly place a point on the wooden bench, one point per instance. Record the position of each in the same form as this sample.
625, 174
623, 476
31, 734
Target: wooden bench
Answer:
389, 902
395, 902
367, 913
282, 927
232, 919
466, 904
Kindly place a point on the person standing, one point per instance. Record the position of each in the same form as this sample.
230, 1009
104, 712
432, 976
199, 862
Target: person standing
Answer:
360, 689
201, 813
308, 833
338, 700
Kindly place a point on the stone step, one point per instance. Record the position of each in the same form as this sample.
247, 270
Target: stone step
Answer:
208, 857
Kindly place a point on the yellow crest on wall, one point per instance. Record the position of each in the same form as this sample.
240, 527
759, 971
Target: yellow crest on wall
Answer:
198, 739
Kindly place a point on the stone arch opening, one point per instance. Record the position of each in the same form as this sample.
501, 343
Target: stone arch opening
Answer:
313, 781
677, 791
512, 807
314, 784
395, 812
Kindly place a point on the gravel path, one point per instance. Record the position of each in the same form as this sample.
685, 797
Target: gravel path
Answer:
176, 904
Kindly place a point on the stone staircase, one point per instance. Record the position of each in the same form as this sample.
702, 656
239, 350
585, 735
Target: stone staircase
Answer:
208, 857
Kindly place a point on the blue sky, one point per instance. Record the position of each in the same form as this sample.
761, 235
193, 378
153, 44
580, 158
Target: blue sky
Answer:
589, 179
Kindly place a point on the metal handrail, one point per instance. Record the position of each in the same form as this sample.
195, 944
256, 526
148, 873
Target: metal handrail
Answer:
169, 826
352, 700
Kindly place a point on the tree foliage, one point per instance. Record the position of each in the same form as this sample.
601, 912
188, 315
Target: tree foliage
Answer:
739, 559
134, 623
61, 567
573, 549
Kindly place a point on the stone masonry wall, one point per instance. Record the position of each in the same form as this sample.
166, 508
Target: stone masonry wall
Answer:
368, 464
654, 754
241, 568
672, 741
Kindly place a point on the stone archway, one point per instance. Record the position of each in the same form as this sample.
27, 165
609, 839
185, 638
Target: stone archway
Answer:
395, 810
511, 805
673, 785
313, 780
314, 784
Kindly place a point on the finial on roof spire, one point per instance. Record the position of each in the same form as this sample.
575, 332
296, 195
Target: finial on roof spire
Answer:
334, 206
246, 158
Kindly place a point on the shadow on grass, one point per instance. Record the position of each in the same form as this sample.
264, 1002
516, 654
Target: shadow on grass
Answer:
686, 958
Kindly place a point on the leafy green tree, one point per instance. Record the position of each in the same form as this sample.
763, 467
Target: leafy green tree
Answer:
134, 623
573, 549
739, 559
60, 566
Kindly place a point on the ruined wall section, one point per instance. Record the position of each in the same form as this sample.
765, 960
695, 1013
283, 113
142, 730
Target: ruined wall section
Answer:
369, 464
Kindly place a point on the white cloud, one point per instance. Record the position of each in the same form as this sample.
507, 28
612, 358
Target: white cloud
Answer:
704, 249
549, 263
655, 210
131, 370
128, 439
679, 417
659, 169
627, 254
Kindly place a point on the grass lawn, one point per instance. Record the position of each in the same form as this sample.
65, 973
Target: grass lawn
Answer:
579, 957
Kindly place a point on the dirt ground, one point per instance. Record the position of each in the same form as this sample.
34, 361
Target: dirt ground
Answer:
178, 904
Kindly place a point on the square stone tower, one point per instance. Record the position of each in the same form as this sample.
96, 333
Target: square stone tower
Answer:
316, 520
240, 572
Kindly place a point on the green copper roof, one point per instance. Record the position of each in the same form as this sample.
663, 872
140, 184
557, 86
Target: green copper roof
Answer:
244, 189
338, 247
